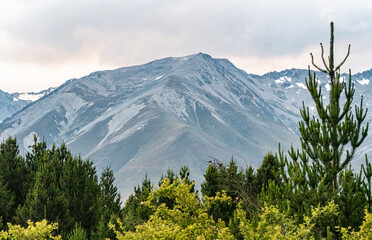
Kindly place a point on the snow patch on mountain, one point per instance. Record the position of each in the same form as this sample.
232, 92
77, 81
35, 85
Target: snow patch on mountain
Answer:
30, 97
283, 79
301, 85
364, 81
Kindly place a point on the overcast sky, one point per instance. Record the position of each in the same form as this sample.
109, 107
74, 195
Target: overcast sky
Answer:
43, 43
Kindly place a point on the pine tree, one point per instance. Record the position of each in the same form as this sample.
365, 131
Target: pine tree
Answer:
336, 128
45, 199
109, 197
78, 233
185, 175
109, 204
266, 171
351, 198
227, 178
63, 189
135, 213
172, 176
6, 204
80, 184
212, 181
318, 173
13, 174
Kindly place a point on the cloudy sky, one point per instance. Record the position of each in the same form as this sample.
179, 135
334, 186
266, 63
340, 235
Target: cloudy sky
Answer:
43, 43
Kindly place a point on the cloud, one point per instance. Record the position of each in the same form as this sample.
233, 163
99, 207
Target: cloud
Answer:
266, 35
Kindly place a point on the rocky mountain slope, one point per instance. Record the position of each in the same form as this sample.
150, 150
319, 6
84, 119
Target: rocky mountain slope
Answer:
11, 103
169, 113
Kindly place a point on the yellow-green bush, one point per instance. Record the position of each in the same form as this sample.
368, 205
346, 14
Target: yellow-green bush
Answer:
34, 231
187, 219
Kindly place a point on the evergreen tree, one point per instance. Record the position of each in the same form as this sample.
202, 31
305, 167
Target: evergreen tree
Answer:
35, 158
134, 212
318, 172
185, 175
64, 189
109, 205
6, 204
52, 184
171, 175
80, 184
211, 184
226, 178
187, 219
78, 233
109, 197
45, 200
336, 128
13, 175
351, 198
266, 171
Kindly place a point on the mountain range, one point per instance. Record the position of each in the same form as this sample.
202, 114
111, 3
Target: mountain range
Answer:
169, 113
11, 103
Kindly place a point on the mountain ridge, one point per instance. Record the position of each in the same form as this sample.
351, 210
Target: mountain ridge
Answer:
168, 113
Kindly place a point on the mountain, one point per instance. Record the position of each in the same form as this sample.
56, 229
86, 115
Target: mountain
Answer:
166, 114
290, 87
31, 96
11, 103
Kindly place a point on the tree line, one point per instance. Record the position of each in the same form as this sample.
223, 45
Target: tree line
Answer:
53, 184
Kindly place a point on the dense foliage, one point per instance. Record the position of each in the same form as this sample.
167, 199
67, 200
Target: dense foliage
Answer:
53, 184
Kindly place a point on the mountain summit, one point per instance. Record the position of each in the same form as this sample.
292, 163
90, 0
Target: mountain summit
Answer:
165, 114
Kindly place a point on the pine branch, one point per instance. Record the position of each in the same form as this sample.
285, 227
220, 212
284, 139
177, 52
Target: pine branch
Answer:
312, 61
324, 62
347, 55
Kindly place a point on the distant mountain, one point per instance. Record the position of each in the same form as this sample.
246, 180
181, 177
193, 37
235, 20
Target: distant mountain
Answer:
169, 113
31, 96
290, 86
11, 103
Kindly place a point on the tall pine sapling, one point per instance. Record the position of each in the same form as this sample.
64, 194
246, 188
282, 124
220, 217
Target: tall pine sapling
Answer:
110, 197
337, 128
